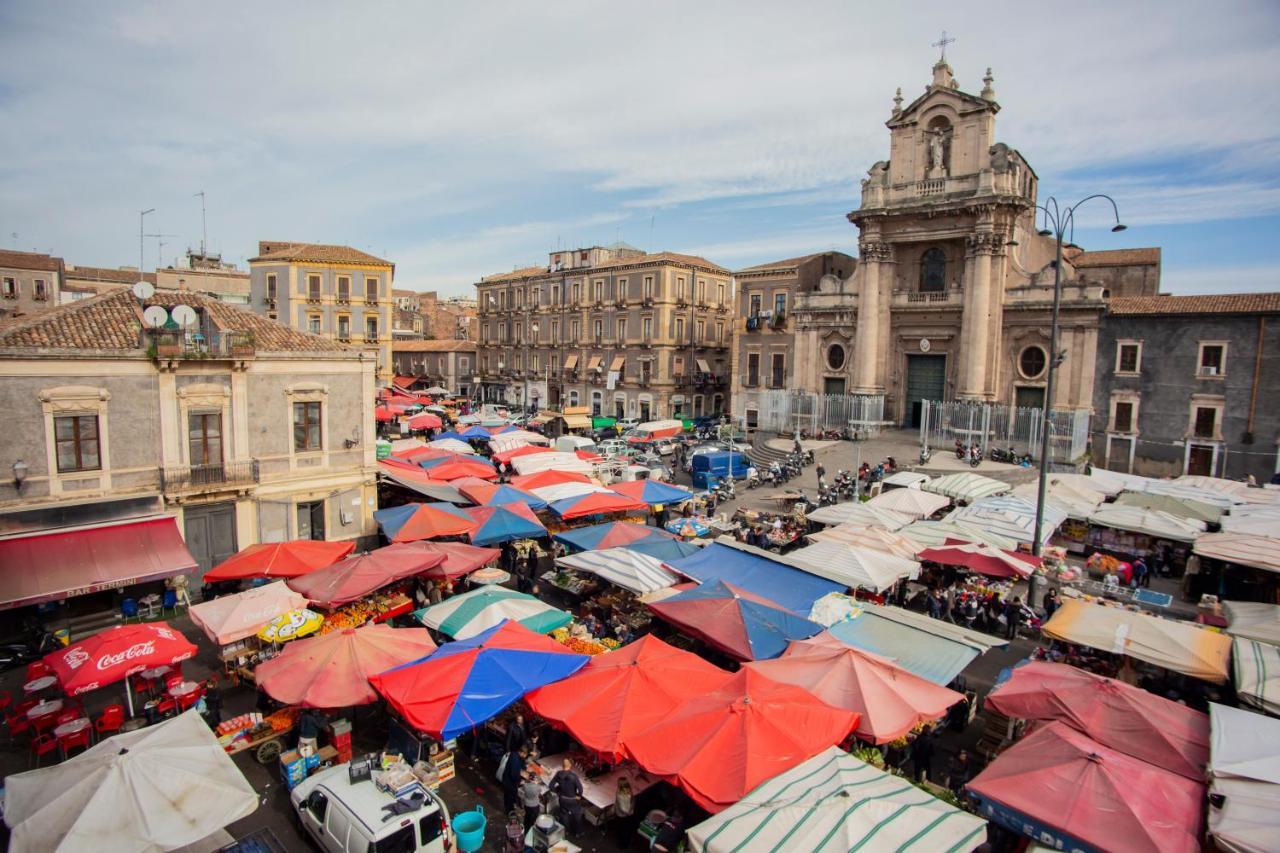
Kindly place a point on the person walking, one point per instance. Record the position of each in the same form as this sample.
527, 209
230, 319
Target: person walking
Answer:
1012, 615
512, 776
1141, 574
822, 476
530, 799
624, 806
1050, 603
568, 788
516, 734
922, 754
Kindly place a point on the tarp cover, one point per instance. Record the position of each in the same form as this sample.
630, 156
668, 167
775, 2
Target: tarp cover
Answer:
597, 503
1058, 783
791, 588
156, 789
1068, 496
472, 613
1009, 516
852, 512
934, 533
1242, 549
864, 536
1149, 521
1244, 769
623, 692
863, 568
460, 559
1177, 646
234, 617
631, 570
556, 460
50, 566
415, 479
1253, 620
504, 523
834, 803
492, 494
356, 577
913, 502
965, 486
1128, 719
930, 648
425, 521
653, 492
983, 559
1256, 667
1176, 504
610, 534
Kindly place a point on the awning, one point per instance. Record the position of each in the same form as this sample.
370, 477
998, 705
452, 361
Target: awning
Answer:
1149, 521
702, 365
67, 563
1175, 504
966, 486
571, 361
618, 362
1256, 673
1243, 770
930, 648
1242, 549
1253, 620
404, 381
577, 421
594, 363
854, 567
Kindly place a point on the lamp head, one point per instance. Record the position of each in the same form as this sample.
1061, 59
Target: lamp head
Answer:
1045, 232
1118, 227
20, 470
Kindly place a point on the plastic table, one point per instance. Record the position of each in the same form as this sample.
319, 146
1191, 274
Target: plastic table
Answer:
35, 685
45, 708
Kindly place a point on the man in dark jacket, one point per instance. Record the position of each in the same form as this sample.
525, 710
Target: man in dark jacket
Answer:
568, 787
512, 776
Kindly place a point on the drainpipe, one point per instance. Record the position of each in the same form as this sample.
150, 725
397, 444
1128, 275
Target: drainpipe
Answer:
1257, 373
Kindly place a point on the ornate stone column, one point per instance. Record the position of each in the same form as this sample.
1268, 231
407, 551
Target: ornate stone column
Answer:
867, 343
975, 323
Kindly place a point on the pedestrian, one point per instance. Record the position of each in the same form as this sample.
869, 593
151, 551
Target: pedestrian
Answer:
935, 604
1141, 574
516, 734
568, 787
532, 559
660, 515
959, 771
822, 476
1012, 615
512, 777
922, 754
309, 724
213, 703
670, 834
624, 806
436, 592
530, 799
1050, 603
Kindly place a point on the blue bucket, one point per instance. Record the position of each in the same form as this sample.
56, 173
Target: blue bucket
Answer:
469, 829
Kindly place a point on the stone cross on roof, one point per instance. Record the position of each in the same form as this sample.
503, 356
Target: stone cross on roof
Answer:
942, 43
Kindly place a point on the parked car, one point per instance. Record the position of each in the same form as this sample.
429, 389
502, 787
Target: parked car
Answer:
665, 446
614, 447
605, 433
342, 816
625, 424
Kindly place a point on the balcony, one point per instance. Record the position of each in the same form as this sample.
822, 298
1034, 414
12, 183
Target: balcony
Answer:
313, 299
370, 339
270, 301
925, 300
647, 302
343, 299
344, 337
188, 479
172, 345
371, 300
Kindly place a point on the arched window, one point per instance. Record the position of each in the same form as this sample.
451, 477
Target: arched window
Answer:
933, 271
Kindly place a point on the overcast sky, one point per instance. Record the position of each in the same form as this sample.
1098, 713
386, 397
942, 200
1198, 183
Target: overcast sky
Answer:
462, 139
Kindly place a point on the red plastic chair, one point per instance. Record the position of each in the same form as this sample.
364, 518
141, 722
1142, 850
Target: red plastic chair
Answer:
68, 715
44, 723
187, 702
166, 706
26, 705
18, 724
42, 745
38, 669
111, 720
173, 679
67, 742
6, 699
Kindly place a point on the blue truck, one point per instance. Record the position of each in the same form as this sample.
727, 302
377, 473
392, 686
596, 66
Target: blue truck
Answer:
710, 468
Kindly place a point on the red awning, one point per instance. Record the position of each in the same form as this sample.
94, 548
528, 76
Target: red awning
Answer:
404, 381
52, 566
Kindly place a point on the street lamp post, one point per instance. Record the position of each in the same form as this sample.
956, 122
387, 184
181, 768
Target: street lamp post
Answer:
1059, 223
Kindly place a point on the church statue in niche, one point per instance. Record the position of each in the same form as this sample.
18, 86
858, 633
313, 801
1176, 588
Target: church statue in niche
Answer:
938, 137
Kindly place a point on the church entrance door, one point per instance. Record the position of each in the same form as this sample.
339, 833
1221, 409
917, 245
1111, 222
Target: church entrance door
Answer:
1028, 398
832, 385
926, 380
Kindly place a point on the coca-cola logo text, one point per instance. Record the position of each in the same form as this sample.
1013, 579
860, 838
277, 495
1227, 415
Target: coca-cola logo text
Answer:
75, 658
137, 650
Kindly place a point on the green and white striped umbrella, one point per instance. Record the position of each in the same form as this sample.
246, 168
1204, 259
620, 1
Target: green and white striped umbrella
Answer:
472, 612
1256, 667
834, 802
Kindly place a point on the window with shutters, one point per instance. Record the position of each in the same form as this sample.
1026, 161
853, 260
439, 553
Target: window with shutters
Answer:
77, 443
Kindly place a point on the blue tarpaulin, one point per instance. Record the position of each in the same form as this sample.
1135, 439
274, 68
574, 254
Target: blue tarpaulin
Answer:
664, 549
789, 587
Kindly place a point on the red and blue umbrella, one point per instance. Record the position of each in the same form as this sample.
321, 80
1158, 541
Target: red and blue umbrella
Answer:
464, 683
742, 625
492, 494
663, 548
476, 432
610, 534
496, 524
596, 503
415, 521
653, 492
459, 467
450, 434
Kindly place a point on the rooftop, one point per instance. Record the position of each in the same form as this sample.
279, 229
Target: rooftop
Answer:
670, 258
29, 261
442, 345
111, 321
1116, 258
783, 264
1222, 303
117, 275
320, 253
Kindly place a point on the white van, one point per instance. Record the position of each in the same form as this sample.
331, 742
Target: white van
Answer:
570, 443
346, 817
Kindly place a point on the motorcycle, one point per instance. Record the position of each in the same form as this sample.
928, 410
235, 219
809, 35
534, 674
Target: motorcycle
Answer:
925, 453
827, 497
975, 456
753, 478
890, 464
804, 503
41, 643
961, 450
807, 458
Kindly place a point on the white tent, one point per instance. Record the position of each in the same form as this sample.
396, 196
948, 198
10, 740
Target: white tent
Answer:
623, 567
1149, 521
1174, 503
1114, 482
503, 442
1244, 769
913, 502
557, 460
834, 802
560, 491
1261, 552
1255, 668
867, 536
1253, 620
853, 567
1260, 521
401, 444
1009, 516
453, 445
1067, 496
854, 512
933, 533
965, 486
152, 790
905, 480
1238, 492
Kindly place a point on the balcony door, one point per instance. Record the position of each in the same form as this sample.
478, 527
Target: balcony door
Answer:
204, 440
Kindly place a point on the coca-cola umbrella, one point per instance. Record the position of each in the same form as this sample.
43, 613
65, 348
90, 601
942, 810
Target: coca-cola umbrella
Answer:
115, 654
356, 577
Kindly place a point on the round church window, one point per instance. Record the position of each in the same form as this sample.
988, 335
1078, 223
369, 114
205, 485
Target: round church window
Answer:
1032, 362
835, 357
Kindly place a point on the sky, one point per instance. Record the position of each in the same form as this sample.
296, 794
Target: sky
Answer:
464, 139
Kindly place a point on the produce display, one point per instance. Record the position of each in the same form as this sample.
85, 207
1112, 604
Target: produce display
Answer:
583, 645
245, 730
570, 582
375, 608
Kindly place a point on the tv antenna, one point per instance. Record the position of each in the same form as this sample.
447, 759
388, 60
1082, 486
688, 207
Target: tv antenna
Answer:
204, 226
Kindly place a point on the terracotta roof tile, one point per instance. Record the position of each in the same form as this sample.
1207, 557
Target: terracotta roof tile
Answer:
674, 258
29, 261
1116, 258
111, 321
443, 345
524, 272
783, 264
109, 275
1218, 303
279, 250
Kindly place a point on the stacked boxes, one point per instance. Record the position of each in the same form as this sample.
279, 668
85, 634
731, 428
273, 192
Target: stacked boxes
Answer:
340, 739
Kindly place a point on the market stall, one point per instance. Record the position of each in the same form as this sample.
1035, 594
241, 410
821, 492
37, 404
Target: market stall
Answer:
1255, 669
506, 523
930, 648
1011, 517
550, 477
113, 655
934, 533
1130, 531
610, 534
759, 572
237, 617
1244, 783
739, 623
415, 521
983, 559
1178, 505
965, 487
1253, 620
653, 492
411, 478
913, 502
358, 576
636, 572
473, 613
854, 512
492, 494
279, 560
876, 538
597, 503
855, 567
781, 529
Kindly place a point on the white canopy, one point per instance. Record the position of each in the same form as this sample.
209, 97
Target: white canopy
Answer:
1261, 552
1114, 482
913, 502
152, 790
854, 512
623, 567
965, 486
234, 617
933, 533
1253, 620
1238, 492
503, 442
557, 460
1244, 768
853, 567
1262, 520
867, 536
453, 445
1149, 521
834, 802
1256, 670
560, 491
1174, 503
1009, 516
1067, 496
906, 479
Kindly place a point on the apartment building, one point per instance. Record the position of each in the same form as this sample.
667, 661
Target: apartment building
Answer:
612, 328
336, 292
29, 282
445, 363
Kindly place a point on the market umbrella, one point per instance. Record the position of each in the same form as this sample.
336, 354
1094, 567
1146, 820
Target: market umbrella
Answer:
913, 502
116, 653
493, 494
425, 420
450, 434
518, 451
234, 617
631, 570
455, 469
653, 492
332, 670
889, 700
725, 741
460, 559
549, 477
477, 432
624, 692
1126, 718
356, 577
383, 415
933, 533
665, 549
983, 559
452, 445
865, 536
505, 523
158, 788
464, 683
597, 503
742, 625
437, 391
279, 560
565, 491
610, 534
471, 613
428, 521
1079, 794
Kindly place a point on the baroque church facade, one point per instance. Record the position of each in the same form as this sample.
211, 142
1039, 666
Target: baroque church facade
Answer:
952, 293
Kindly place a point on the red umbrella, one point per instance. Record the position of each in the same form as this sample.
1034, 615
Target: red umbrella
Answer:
1083, 795
279, 560
426, 420
433, 520
721, 744
983, 559
597, 503
516, 453
624, 692
1125, 718
549, 477
356, 577
414, 455
460, 468
117, 653
460, 559
332, 670
384, 415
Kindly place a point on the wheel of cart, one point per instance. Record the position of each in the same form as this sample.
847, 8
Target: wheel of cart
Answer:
269, 751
